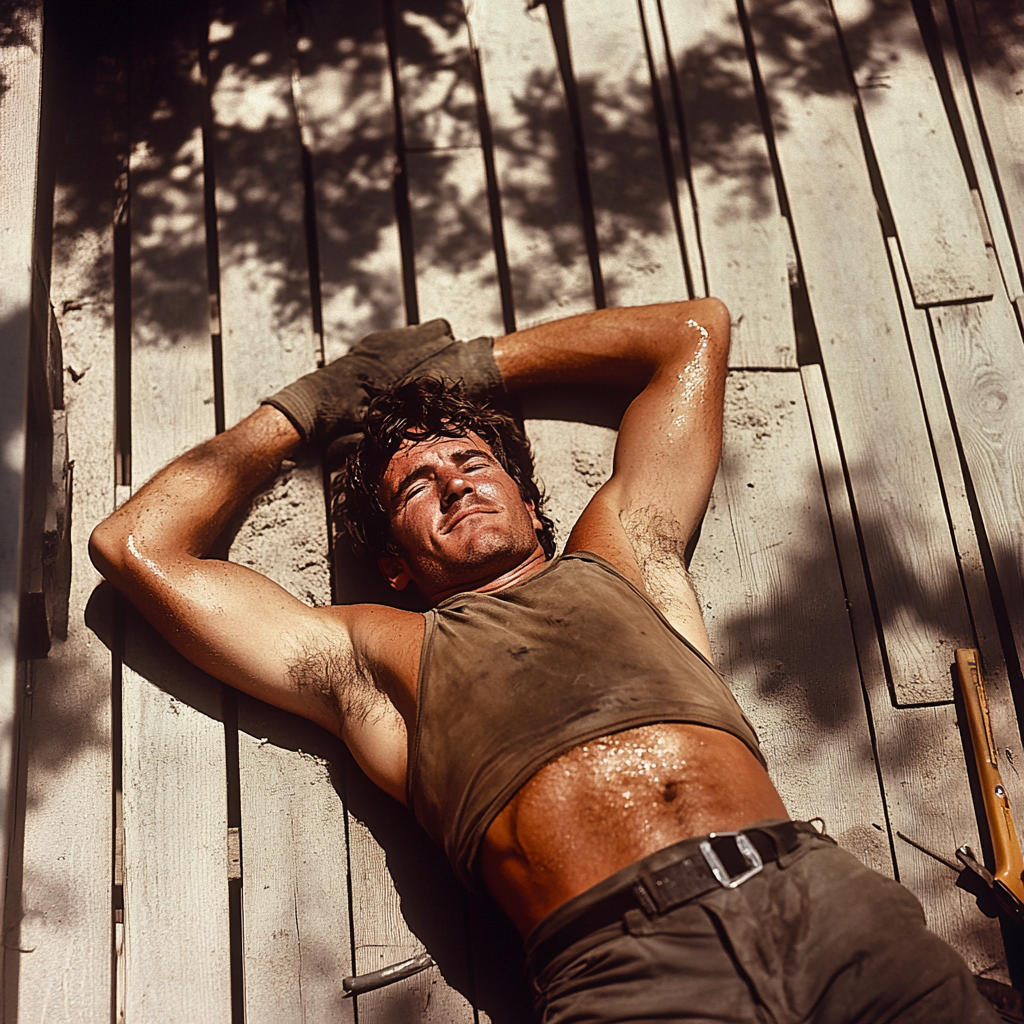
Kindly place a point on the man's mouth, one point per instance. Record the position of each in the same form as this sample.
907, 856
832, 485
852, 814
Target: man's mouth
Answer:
456, 517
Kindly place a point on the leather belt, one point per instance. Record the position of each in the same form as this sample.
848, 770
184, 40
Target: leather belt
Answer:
719, 860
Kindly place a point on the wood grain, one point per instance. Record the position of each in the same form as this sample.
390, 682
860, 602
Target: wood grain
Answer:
265, 317
66, 857
297, 933
912, 563
919, 752
344, 98
911, 136
991, 32
662, 62
982, 361
176, 944
744, 238
640, 253
765, 561
176, 934
968, 115
456, 271
382, 933
454, 251
533, 157
979, 597
296, 945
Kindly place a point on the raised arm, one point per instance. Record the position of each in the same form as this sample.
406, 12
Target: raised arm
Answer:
675, 354
234, 623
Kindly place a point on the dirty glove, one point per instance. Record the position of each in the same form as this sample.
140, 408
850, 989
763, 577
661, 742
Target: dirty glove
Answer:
331, 401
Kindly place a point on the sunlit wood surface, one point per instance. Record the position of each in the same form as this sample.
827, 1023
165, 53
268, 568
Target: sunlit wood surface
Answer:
242, 190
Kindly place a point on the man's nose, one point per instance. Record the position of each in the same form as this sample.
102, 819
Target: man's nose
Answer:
456, 487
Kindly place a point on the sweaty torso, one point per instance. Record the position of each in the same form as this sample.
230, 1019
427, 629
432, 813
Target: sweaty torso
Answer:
611, 801
569, 818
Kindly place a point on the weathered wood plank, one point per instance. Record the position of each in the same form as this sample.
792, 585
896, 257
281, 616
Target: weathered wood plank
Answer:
924, 179
264, 277
641, 257
295, 886
972, 569
912, 563
533, 158
344, 98
982, 361
744, 238
66, 910
176, 946
660, 53
992, 34
991, 209
435, 76
919, 753
766, 561
297, 938
381, 929
175, 825
21, 75
456, 271
455, 262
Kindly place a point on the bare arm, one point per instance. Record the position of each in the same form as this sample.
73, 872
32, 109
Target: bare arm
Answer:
235, 623
666, 456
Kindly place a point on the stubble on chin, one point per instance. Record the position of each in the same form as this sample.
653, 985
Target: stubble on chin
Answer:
489, 551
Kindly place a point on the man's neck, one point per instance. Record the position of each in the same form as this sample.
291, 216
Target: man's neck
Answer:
491, 584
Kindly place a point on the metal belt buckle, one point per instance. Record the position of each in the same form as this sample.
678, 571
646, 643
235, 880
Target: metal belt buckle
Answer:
746, 848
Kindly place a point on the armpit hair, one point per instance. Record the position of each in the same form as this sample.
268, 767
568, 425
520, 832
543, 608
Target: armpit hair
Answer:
661, 552
333, 676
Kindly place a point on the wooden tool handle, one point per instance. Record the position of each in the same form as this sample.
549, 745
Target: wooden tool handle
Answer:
1005, 844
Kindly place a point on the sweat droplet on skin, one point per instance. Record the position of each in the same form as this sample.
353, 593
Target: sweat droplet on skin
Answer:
621, 762
694, 380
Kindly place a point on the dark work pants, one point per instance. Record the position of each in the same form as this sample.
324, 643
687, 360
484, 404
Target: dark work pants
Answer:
816, 937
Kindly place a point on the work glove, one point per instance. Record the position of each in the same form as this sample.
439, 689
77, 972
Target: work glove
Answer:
331, 401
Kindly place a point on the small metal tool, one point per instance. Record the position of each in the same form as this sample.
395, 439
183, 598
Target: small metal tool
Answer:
952, 865
360, 983
1006, 899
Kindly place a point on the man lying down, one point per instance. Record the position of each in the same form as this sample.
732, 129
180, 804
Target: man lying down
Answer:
555, 723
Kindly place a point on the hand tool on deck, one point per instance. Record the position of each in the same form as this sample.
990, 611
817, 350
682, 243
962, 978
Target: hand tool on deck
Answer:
1005, 883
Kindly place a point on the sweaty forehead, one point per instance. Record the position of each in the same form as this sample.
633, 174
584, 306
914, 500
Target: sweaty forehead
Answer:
413, 455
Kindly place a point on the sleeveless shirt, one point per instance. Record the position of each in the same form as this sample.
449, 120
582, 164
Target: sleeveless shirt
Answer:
511, 680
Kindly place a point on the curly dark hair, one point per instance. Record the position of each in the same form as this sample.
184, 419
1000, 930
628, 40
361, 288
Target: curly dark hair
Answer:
422, 409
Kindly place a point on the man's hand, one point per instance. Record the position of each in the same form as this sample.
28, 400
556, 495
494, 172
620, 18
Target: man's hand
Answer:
330, 402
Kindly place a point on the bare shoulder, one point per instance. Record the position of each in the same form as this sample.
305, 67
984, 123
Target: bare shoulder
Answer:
360, 664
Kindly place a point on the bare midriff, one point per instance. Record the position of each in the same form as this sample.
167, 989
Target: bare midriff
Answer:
610, 802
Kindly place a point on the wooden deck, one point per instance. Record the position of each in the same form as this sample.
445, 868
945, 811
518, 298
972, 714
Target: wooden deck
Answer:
240, 191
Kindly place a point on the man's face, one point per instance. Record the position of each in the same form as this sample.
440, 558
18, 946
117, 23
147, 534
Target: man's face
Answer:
457, 517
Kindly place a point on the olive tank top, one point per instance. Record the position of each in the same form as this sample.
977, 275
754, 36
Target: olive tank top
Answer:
511, 680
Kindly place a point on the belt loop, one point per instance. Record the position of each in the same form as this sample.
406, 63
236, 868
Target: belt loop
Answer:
784, 837
644, 898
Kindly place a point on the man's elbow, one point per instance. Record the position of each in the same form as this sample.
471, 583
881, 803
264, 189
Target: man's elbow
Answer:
714, 317
110, 548
101, 547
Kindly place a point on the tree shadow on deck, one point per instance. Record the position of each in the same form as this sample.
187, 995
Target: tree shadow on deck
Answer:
347, 155
343, 65
15, 29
